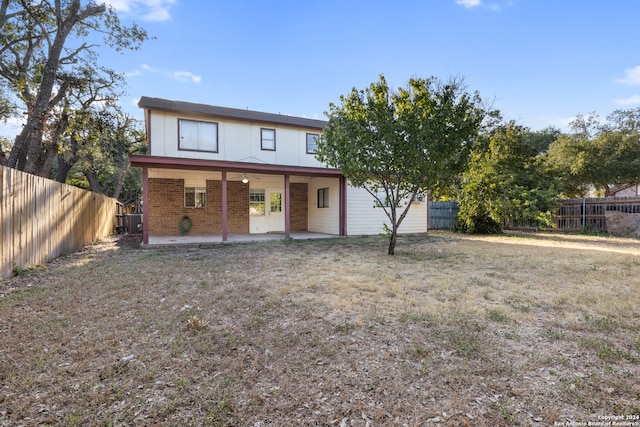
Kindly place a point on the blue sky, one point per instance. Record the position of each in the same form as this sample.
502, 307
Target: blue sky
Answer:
541, 62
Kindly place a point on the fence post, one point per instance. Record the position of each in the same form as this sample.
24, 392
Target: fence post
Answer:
584, 212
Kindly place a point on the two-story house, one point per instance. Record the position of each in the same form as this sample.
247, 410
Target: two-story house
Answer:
216, 171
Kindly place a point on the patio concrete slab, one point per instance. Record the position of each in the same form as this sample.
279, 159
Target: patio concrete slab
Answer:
237, 238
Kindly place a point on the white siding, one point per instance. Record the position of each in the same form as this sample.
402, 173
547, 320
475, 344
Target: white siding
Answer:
364, 218
324, 220
237, 141
191, 178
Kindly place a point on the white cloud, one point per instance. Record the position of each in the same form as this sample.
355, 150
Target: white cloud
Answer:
157, 15
184, 76
180, 75
468, 3
495, 6
631, 76
635, 99
562, 123
119, 5
147, 10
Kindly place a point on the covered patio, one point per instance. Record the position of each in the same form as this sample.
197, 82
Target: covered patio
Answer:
228, 213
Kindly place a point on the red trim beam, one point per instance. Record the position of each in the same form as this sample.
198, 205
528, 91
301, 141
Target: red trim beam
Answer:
145, 161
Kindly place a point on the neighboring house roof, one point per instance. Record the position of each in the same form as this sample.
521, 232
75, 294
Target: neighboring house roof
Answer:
618, 188
182, 107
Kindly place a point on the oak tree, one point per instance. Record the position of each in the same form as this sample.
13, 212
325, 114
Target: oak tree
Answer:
398, 144
45, 49
506, 181
597, 154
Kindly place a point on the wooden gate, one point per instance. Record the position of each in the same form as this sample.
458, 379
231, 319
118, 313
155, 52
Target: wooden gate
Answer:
443, 215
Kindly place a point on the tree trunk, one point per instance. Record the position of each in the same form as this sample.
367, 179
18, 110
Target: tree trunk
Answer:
18, 154
53, 146
121, 176
64, 167
32, 141
47, 161
28, 144
94, 184
392, 241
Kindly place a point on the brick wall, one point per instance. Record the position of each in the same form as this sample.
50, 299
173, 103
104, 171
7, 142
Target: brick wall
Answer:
237, 207
166, 199
166, 208
298, 202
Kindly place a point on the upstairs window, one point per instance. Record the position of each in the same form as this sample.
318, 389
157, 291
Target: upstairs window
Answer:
195, 197
312, 142
268, 139
197, 136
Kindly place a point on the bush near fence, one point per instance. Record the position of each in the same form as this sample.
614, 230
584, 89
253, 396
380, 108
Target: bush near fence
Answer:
42, 219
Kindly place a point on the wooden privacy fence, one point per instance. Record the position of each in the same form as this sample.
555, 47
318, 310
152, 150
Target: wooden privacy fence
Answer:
443, 215
42, 219
584, 214
589, 214
573, 214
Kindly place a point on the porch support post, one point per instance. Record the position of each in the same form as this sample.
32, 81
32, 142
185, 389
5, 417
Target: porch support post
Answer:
343, 206
224, 206
287, 210
145, 206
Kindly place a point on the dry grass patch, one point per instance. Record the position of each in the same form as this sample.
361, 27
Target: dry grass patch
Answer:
453, 330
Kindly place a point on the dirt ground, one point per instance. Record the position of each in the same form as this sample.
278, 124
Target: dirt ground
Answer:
454, 330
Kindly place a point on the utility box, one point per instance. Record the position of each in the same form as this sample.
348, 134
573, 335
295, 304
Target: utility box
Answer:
133, 223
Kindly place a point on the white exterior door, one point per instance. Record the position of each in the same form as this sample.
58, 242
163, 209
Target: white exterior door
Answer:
275, 210
266, 211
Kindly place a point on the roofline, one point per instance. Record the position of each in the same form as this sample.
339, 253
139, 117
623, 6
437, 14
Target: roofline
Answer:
181, 107
145, 161
617, 188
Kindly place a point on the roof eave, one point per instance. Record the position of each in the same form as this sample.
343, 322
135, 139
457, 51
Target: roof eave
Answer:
145, 161
189, 108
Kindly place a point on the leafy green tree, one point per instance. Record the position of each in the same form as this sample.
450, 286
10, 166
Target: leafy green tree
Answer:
597, 155
4, 145
45, 53
6, 108
91, 94
397, 144
96, 151
539, 141
506, 181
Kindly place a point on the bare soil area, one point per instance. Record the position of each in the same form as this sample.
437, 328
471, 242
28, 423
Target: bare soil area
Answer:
454, 330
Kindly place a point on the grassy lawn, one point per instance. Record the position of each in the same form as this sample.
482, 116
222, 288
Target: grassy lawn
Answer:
531, 329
